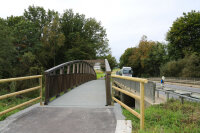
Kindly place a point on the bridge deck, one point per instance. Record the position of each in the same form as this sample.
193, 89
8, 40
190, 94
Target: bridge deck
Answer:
82, 110
91, 93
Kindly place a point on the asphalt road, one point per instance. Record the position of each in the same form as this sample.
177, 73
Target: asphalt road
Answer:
179, 87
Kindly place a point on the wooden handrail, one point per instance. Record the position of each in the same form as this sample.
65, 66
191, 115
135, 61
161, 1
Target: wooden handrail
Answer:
127, 93
19, 92
22, 92
140, 98
18, 106
128, 108
20, 78
66, 64
131, 78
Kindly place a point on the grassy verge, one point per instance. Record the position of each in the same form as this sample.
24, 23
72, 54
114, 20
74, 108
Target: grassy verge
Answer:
100, 74
171, 117
16, 100
11, 102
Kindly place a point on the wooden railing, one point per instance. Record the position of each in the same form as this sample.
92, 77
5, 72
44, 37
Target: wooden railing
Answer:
107, 82
135, 96
66, 76
22, 92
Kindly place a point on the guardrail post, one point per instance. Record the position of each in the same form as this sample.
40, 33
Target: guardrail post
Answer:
40, 91
167, 97
182, 100
142, 105
158, 93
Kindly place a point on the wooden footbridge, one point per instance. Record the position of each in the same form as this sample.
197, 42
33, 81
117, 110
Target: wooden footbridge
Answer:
73, 98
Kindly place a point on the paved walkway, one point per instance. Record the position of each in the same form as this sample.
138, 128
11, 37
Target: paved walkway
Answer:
82, 110
91, 93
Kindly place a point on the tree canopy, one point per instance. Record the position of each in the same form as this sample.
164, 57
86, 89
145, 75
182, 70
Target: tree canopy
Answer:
41, 39
184, 36
179, 58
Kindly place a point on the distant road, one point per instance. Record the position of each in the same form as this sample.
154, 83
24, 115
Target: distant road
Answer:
181, 87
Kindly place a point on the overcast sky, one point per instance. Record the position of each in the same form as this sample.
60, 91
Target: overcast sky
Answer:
125, 20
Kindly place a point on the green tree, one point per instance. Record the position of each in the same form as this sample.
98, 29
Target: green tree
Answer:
138, 60
124, 59
112, 61
184, 36
7, 51
156, 58
85, 38
53, 38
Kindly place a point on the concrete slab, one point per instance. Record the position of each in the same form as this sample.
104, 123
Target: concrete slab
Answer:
64, 120
91, 93
124, 126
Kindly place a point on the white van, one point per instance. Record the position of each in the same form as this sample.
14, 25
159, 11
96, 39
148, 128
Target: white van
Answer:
125, 71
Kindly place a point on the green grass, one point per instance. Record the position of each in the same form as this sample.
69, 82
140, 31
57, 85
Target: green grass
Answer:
16, 100
11, 102
100, 74
171, 117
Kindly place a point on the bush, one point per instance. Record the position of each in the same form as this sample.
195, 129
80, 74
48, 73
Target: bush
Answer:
186, 67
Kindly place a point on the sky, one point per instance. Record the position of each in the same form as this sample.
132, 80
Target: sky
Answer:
125, 21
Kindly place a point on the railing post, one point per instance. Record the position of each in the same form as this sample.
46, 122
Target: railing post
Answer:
81, 68
46, 89
141, 105
62, 70
108, 91
107, 82
77, 68
40, 91
73, 68
68, 69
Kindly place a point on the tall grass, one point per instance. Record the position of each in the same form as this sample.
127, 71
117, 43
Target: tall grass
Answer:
170, 117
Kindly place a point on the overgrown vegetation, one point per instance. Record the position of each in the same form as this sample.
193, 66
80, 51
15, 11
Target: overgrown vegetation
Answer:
170, 117
16, 100
179, 57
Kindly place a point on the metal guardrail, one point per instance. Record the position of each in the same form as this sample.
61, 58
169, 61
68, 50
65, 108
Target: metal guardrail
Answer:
22, 92
181, 80
185, 94
140, 98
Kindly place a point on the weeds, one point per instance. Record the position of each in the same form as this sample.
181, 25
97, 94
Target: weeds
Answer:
171, 117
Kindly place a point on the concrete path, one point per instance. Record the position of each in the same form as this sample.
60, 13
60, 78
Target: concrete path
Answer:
82, 110
92, 93
64, 120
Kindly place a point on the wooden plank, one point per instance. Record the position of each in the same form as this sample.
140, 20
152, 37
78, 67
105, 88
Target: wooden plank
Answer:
127, 107
127, 93
131, 78
142, 106
20, 78
19, 92
18, 106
